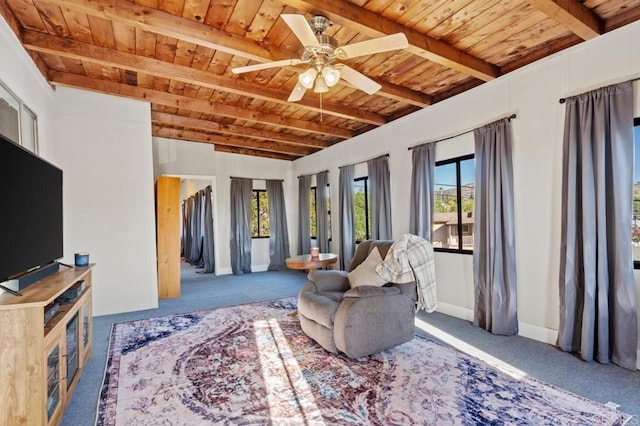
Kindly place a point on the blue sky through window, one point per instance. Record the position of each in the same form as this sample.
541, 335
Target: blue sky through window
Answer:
445, 176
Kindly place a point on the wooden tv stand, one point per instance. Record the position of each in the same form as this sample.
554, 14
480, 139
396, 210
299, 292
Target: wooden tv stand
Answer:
35, 360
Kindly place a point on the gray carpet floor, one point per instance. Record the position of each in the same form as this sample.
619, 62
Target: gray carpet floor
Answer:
603, 383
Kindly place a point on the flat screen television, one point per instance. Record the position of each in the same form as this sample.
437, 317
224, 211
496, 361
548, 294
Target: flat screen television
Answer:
31, 212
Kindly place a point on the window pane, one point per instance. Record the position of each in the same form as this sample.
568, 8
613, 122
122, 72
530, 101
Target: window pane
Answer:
313, 213
468, 186
254, 214
635, 230
29, 135
9, 119
329, 211
445, 217
359, 209
265, 226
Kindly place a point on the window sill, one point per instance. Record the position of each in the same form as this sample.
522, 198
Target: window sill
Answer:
261, 237
456, 251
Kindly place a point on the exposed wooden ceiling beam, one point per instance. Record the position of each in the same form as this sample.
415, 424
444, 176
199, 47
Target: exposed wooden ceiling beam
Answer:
544, 51
193, 104
254, 153
622, 19
67, 48
13, 22
11, 19
165, 119
191, 135
156, 21
575, 16
374, 25
162, 23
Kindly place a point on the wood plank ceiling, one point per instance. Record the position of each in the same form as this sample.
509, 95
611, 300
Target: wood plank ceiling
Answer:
178, 55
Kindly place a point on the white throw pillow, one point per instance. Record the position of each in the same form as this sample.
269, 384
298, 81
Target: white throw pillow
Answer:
365, 273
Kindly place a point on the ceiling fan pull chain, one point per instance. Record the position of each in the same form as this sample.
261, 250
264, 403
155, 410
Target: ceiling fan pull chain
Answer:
320, 107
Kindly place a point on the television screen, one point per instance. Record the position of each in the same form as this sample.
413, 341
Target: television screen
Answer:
31, 213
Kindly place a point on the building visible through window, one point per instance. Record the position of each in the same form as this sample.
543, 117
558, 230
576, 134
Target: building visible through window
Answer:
361, 219
260, 227
454, 191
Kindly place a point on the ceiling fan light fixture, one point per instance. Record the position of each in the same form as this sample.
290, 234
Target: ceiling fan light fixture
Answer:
321, 85
331, 76
308, 77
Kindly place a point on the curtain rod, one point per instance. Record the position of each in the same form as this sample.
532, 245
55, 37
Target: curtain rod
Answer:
314, 173
364, 161
235, 177
511, 117
563, 100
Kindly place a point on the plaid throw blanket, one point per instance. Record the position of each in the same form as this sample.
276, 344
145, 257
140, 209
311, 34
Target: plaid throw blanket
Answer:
411, 259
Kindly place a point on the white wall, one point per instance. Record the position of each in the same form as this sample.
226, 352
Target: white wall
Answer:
189, 187
533, 93
103, 144
173, 157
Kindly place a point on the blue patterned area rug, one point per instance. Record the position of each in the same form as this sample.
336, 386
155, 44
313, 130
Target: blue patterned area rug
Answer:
251, 364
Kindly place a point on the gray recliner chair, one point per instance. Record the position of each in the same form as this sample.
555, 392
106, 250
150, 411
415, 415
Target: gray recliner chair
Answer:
359, 321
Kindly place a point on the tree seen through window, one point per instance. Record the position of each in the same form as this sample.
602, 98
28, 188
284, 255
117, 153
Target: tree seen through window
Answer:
260, 227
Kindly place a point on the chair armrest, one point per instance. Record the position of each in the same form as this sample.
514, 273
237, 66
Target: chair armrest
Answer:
408, 289
329, 280
371, 291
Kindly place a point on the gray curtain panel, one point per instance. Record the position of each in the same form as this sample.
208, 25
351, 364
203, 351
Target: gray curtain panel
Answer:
322, 211
186, 238
241, 191
200, 196
380, 197
423, 158
279, 236
347, 231
207, 244
598, 315
196, 233
494, 250
304, 214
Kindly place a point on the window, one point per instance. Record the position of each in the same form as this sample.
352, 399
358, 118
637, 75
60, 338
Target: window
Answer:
635, 225
454, 188
17, 121
361, 220
313, 210
260, 227
314, 219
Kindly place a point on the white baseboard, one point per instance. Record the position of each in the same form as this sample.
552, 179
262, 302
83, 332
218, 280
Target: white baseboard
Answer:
224, 271
259, 268
535, 332
455, 311
254, 268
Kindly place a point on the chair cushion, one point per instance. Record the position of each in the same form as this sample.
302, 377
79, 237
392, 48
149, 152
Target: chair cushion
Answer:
365, 273
320, 307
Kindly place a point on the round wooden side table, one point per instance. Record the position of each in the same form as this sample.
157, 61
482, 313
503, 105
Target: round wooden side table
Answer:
306, 261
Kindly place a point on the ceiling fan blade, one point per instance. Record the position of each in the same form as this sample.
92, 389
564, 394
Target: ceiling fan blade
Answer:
258, 67
358, 79
301, 28
297, 93
376, 45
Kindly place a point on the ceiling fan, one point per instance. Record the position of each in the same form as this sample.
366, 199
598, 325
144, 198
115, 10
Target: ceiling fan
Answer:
321, 51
